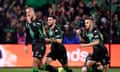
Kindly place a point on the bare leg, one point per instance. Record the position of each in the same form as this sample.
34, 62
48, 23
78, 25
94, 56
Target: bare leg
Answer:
88, 65
36, 63
106, 68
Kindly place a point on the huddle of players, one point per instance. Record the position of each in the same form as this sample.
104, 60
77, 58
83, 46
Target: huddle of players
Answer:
36, 30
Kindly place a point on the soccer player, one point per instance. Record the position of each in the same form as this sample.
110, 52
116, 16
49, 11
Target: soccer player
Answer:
95, 38
35, 30
58, 51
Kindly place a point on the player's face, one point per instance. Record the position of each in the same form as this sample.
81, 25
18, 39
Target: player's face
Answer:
88, 24
29, 12
50, 21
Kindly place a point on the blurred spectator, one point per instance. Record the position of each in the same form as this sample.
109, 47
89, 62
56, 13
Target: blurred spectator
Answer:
9, 38
115, 28
70, 37
4, 23
70, 13
21, 35
39, 14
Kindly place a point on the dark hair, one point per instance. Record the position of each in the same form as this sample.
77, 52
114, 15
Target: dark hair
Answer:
53, 16
89, 18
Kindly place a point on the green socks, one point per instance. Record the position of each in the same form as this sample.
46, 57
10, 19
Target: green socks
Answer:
90, 70
44, 67
60, 69
49, 68
35, 69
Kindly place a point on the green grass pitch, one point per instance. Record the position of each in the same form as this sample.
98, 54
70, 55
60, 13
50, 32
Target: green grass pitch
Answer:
30, 70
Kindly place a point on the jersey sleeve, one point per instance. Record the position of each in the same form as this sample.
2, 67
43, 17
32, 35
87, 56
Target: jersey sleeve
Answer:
96, 35
58, 34
40, 25
28, 38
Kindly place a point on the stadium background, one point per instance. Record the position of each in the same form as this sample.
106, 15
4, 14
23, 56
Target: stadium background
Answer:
70, 15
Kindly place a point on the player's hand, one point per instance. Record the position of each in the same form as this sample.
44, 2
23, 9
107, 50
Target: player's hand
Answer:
78, 31
26, 49
28, 19
47, 40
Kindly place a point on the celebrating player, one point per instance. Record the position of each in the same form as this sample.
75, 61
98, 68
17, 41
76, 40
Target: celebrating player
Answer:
58, 51
34, 29
95, 38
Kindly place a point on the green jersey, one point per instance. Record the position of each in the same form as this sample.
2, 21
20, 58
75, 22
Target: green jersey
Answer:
95, 35
35, 30
55, 33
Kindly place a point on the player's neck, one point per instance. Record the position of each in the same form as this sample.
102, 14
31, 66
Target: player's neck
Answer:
53, 26
90, 29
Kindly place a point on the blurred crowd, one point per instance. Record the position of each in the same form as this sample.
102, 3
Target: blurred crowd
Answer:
70, 16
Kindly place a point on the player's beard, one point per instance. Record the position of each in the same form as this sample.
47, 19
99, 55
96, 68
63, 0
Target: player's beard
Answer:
89, 28
50, 26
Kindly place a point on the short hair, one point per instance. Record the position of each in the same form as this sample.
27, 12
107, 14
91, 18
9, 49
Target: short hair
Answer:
30, 8
53, 16
89, 18
92, 19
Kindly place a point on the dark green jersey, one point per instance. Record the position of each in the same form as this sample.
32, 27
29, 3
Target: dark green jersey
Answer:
55, 33
95, 35
35, 30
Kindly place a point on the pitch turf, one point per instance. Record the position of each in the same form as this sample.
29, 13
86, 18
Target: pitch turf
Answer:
30, 70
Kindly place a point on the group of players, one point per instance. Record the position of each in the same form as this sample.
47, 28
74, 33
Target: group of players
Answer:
36, 30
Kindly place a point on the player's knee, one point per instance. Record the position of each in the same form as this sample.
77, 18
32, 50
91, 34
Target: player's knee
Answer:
100, 67
48, 61
36, 61
90, 63
84, 69
106, 68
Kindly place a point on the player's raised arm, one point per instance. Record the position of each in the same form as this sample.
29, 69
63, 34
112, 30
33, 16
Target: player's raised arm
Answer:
78, 31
